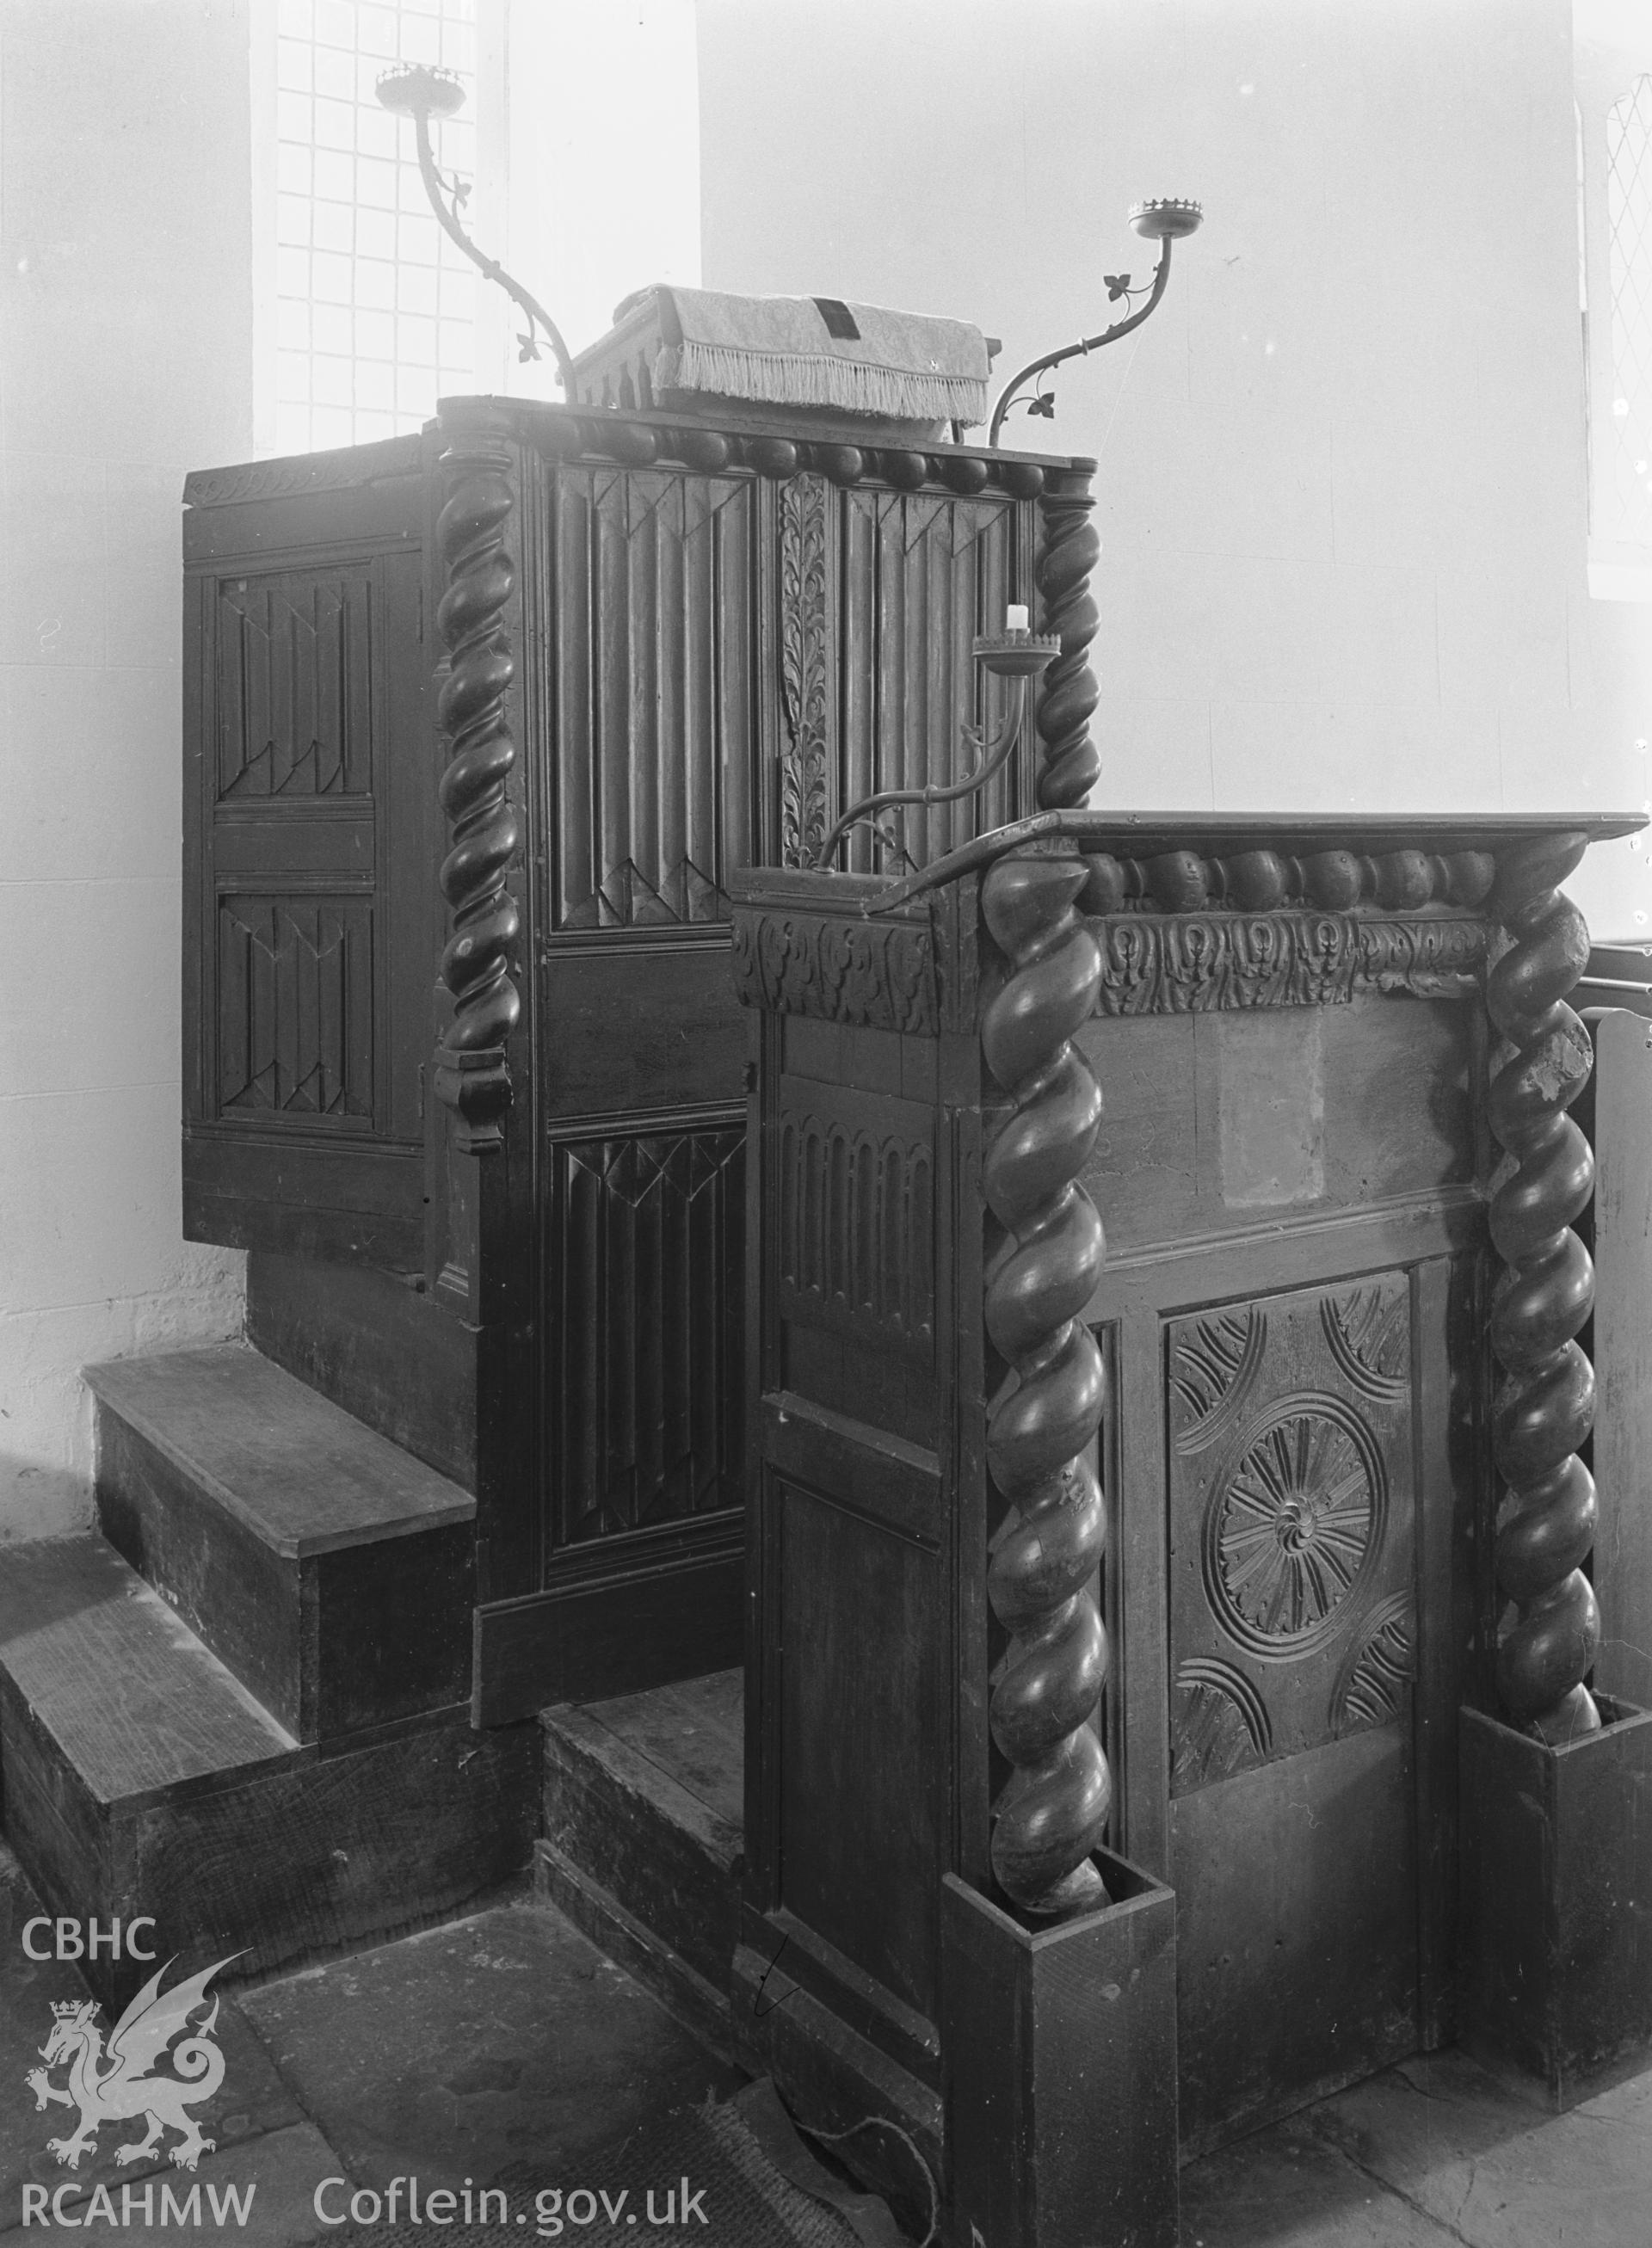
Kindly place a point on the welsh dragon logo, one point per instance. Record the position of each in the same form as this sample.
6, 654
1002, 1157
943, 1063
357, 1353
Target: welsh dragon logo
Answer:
115, 2087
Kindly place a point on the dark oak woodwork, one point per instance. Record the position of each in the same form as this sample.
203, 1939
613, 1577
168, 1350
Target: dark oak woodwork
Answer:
1285, 1344
140, 1777
482, 726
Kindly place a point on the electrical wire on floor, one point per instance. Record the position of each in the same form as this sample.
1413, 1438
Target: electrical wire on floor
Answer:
882, 2123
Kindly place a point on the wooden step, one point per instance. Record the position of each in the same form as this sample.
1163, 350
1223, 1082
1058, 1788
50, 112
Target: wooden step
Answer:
140, 1776
332, 1571
643, 1835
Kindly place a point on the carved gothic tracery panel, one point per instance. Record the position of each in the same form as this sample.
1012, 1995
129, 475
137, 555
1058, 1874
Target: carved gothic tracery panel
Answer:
647, 1239
295, 656
295, 1008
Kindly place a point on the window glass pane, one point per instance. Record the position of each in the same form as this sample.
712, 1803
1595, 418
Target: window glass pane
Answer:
375, 307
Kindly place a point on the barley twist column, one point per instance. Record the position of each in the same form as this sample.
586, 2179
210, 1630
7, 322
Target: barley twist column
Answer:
1050, 1815
1544, 1406
1070, 763
472, 1076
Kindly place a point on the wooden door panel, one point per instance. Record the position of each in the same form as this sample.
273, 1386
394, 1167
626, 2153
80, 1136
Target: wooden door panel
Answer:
640, 1030
1292, 1638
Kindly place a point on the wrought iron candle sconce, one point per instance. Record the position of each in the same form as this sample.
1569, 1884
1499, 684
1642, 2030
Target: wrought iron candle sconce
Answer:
422, 91
1016, 655
1163, 221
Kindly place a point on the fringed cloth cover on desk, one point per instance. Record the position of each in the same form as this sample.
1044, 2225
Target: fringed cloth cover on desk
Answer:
783, 351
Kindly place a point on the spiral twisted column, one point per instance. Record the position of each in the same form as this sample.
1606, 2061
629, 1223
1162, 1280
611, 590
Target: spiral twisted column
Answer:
1070, 763
1544, 1405
1050, 1815
472, 1075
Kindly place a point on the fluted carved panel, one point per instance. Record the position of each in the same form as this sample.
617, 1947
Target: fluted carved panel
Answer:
295, 656
645, 1261
295, 1008
855, 1215
652, 754
921, 574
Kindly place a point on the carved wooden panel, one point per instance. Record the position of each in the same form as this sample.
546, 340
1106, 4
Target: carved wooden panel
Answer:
856, 1214
295, 1008
295, 654
922, 574
1291, 1524
807, 673
647, 1238
653, 748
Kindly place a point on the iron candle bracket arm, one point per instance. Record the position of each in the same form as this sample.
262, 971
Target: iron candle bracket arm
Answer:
1018, 656
419, 92
1166, 222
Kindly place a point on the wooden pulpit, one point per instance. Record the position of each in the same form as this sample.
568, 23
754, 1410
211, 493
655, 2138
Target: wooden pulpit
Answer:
481, 723
1168, 1624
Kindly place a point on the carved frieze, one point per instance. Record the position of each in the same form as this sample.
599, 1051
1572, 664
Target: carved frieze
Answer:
1192, 963
875, 975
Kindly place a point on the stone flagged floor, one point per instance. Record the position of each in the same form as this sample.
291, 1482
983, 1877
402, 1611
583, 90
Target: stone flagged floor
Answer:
507, 2038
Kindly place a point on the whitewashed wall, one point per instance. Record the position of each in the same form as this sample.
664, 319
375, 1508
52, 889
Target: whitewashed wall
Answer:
124, 341
1343, 476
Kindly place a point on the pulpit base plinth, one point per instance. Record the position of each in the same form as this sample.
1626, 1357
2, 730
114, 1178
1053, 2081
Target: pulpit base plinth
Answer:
1557, 1901
1061, 2070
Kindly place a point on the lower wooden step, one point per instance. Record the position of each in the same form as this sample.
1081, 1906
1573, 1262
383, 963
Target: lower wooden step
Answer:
642, 1814
332, 1571
141, 1777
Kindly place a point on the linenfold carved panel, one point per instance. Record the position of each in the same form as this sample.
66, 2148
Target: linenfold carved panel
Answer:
1191, 964
856, 1214
652, 754
295, 656
645, 1249
1291, 1524
921, 573
295, 1007
875, 975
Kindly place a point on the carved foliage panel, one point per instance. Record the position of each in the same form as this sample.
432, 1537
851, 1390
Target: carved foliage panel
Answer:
854, 1219
295, 1009
1291, 1524
653, 743
645, 1262
808, 635
295, 659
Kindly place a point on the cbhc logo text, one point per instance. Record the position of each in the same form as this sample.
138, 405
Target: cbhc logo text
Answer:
71, 1939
